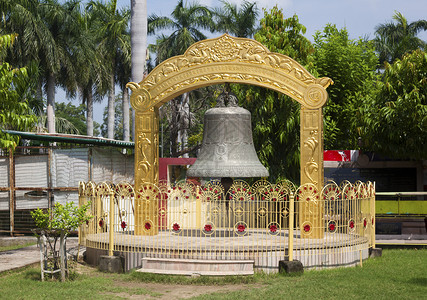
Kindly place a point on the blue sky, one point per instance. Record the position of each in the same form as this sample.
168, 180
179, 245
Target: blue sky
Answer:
360, 17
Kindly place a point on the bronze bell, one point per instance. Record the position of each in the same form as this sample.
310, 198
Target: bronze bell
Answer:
227, 148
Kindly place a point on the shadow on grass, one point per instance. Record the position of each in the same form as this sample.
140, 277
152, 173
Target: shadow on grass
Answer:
32, 274
418, 281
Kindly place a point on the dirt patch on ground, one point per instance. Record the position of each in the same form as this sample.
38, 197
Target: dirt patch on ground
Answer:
161, 290
175, 291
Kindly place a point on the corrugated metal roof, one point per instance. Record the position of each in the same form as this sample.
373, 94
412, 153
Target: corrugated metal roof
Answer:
71, 138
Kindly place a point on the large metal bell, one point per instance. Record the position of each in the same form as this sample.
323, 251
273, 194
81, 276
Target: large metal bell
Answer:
227, 149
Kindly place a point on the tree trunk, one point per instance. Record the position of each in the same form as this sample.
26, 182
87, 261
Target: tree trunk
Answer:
138, 29
111, 108
50, 109
174, 126
138, 38
89, 116
126, 133
185, 122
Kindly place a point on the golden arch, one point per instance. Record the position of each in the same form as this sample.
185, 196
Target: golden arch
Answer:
234, 60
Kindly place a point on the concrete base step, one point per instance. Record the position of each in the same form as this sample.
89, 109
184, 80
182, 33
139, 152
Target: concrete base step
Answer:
197, 267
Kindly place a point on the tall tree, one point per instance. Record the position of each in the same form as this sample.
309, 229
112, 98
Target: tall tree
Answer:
275, 117
75, 115
393, 39
44, 28
236, 21
112, 26
186, 23
15, 88
351, 65
93, 74
138, 27
394, 119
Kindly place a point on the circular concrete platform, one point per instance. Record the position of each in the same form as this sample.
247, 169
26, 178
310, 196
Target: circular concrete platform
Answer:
334, 249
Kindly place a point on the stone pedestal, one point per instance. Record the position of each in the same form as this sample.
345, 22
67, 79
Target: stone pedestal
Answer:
290, 267
110, 264
375, 252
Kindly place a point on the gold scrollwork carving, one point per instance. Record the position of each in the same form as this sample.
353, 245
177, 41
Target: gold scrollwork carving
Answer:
141, 98
144, 165
311, 166
238, 54
315, 96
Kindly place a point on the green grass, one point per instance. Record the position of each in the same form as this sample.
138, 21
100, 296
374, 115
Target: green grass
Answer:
26, 284
14, 247
398, 274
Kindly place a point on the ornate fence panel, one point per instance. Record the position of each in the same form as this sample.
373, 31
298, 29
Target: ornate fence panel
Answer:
247, 222
346, 225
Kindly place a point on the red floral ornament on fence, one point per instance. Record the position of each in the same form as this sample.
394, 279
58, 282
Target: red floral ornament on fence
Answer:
147, 225
123, 225
208, 227
273, 228
101, 223
176, 227
332, 226
351, 224
241, 228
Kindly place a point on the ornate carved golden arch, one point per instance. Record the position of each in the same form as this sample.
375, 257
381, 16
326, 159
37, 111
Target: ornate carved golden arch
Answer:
235, 60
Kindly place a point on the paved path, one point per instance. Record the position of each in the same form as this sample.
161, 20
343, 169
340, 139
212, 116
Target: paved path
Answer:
14, 259
404, 239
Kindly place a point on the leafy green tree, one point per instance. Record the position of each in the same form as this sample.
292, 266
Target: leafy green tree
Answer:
275, 117
351, 65
236, 21
395, 117
76, 116
15, 112
393, 39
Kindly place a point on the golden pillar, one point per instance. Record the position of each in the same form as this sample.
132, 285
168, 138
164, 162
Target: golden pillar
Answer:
310, 208
146, 171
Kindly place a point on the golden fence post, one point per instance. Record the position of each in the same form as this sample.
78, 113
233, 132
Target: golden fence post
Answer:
373, 216
99, 211
198, 209
111, 221
81, 202
291, 227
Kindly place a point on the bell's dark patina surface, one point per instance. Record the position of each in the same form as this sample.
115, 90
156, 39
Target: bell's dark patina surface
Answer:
227, 149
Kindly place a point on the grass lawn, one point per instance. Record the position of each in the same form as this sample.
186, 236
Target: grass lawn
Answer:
398, 274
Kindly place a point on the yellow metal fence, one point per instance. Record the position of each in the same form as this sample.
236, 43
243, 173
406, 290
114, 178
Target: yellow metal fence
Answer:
264, 222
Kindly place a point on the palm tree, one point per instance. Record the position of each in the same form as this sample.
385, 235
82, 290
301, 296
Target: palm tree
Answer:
112, 28
394, 39
138, 27
43, 27
93, 75
238, 22
185, 24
